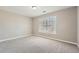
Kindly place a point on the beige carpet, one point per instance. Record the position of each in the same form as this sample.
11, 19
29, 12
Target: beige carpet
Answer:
36, 45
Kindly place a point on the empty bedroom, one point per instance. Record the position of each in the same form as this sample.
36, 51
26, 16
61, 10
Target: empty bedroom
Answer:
39, 29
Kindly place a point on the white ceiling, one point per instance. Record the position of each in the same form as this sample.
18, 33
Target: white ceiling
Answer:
28, 11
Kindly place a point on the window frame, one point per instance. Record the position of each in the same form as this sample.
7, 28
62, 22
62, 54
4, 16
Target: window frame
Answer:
47, 18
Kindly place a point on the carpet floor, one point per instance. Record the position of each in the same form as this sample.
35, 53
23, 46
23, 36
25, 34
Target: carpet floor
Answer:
35, 44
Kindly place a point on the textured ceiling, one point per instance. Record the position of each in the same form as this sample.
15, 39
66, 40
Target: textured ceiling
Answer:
28, 11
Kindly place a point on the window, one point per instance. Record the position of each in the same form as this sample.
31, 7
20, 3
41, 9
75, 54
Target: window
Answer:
48, 25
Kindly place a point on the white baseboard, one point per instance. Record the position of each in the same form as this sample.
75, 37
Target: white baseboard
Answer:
38, 36
78, 45
15, 37
55, 39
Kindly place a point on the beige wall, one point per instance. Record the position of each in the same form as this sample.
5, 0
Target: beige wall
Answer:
12, 25
78, 26
66, 25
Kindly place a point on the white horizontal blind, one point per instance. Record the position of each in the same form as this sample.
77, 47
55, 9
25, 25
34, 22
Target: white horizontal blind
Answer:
48, 25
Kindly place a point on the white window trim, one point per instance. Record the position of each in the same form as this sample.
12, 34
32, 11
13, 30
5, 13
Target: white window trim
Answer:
53, 32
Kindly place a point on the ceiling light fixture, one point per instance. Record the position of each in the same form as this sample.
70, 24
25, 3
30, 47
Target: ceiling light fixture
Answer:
44, 11
34, 7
